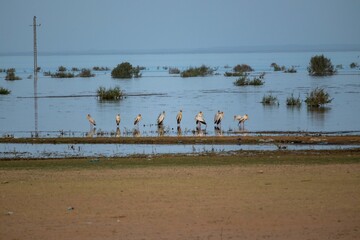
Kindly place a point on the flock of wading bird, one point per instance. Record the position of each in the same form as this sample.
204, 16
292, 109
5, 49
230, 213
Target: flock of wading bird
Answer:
199, 120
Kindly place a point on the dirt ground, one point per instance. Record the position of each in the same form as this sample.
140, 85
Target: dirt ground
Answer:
194, 202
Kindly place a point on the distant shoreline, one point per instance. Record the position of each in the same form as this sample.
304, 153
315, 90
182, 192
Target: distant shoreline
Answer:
212, 50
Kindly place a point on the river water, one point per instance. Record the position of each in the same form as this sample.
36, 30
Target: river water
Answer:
170, 93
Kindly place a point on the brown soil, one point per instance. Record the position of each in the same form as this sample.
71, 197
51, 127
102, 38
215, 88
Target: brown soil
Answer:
173, 202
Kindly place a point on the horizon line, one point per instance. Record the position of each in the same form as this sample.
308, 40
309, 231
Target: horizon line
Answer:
237, 49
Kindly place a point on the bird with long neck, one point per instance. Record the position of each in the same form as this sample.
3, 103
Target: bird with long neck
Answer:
161, 118
118, 119
241, 119
199, 119
137, 119
91, 120
218, 118
179, 117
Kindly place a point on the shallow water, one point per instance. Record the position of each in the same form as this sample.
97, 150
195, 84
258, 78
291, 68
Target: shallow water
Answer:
207, 94
11, 150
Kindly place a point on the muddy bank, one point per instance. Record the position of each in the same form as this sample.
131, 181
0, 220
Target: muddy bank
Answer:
180, 202
276, 139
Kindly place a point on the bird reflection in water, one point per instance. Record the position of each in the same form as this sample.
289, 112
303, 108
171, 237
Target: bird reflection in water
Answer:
136, 133
179, 131
160, 130
218, 131
91, 133
118, 132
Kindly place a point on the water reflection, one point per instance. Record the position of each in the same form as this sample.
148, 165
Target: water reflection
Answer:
319, 115
91, 133
118, 132
179, 131
218, 131
160, 130
136, 132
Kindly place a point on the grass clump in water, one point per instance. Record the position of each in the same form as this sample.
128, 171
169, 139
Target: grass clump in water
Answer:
4, 91
269, 100
318, 97
197, 72
292, 101
109, 94
245, 81
10, 75
85, 73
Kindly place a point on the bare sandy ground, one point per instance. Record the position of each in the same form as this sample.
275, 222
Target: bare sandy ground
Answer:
218, 202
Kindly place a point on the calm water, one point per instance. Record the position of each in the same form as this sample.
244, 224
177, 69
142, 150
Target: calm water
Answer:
8, 151
207, 94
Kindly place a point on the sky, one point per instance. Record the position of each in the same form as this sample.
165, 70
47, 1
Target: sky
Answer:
150, 25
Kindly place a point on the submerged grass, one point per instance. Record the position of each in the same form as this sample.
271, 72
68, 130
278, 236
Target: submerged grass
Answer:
292, 101
109, 94
4, 91
237, 158
269, 100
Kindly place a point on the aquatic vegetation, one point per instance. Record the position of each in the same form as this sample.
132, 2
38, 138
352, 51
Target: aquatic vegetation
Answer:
2, 70
75, 69
321, 66
292, 101
243, 68
277, 67
269, 100
318, 97
62, 75
201, 71
109, 94
85, 73
4, 91
126, 70
245, 81
291, 70
174, 70
97, 68
10, 75
239, 70
62, 69
354, 65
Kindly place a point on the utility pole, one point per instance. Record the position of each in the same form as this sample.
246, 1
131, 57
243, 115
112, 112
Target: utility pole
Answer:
35, 77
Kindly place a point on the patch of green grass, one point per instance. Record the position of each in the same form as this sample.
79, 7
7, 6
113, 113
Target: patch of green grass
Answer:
109, 94
4, 91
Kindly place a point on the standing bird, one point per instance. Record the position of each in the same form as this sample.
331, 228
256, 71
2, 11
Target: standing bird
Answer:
241, 119
118, 119
161, 118
218, 117
137, 119
91, 120
199, 118
179, 117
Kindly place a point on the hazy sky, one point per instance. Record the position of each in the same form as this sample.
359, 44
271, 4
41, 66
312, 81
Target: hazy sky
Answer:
68, 25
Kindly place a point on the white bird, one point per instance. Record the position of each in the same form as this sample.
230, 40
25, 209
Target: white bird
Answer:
161, 118
91, 120
179, 117
241, 119
137, 119
118, 119
218, 117
199, 118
